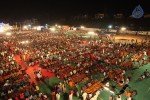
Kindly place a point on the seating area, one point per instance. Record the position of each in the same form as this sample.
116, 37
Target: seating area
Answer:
92, 66
96, 86
15, 83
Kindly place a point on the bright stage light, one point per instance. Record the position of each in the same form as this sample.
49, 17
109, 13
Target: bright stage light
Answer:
29, 25
4, 27
8, 33
74, 29
34, 27
110, 26
27, 41
38, 28
123, 28
92, 33
59, 26
25, 27
82, 27
23, 42
1, 30
53, 29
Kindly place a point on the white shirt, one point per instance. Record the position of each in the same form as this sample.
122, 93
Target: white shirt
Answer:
59, 58
145, 53
57, 96
118, 98
107, 84
95, 97
110, 98
127, 81
31, 97
40, 94
90, 95
6, 84
39, 75
45, 96
70, 97
71, 73
1, 72
104, 73
98, 92
92, 98
78, 65
129, 98
143, 76
84, 95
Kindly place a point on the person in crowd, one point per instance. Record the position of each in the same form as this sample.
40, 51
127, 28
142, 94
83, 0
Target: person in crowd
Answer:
70, 96
118, 97
84, 95
86, 57
57, 96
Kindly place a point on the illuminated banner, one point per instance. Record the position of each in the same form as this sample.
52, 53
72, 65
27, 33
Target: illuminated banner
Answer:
138, 12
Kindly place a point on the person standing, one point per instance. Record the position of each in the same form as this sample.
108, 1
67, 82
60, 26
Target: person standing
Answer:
70, 96
129, 98
58, 96
111, 97
118, 97
84, 95
25, 65
53, 95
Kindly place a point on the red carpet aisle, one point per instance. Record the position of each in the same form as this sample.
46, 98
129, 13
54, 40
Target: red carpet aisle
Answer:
30, 69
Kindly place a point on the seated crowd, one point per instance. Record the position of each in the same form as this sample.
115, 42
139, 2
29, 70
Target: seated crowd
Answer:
73, 59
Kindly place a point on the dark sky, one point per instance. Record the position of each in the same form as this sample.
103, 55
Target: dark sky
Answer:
42, 9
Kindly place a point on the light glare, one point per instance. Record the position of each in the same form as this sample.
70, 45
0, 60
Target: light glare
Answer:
92, 33
82, 27
110, 26
8, 33
52, 29
123, 29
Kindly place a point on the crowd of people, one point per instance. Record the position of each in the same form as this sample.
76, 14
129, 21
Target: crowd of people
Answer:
15, 83
73, 59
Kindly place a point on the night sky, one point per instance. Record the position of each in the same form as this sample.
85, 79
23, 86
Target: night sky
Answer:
16, 10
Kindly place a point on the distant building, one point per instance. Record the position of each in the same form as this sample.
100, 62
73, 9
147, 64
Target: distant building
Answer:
147, 16
118, 16
99, 16
33, 22
85, 16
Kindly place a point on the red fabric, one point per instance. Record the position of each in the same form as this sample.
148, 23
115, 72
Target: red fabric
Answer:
22, 96
30, 69
84, 42
91, 56
16, 98
71, 92
85, 54
149, 53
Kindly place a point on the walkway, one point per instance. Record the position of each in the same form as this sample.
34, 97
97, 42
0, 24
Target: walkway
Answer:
30, 69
